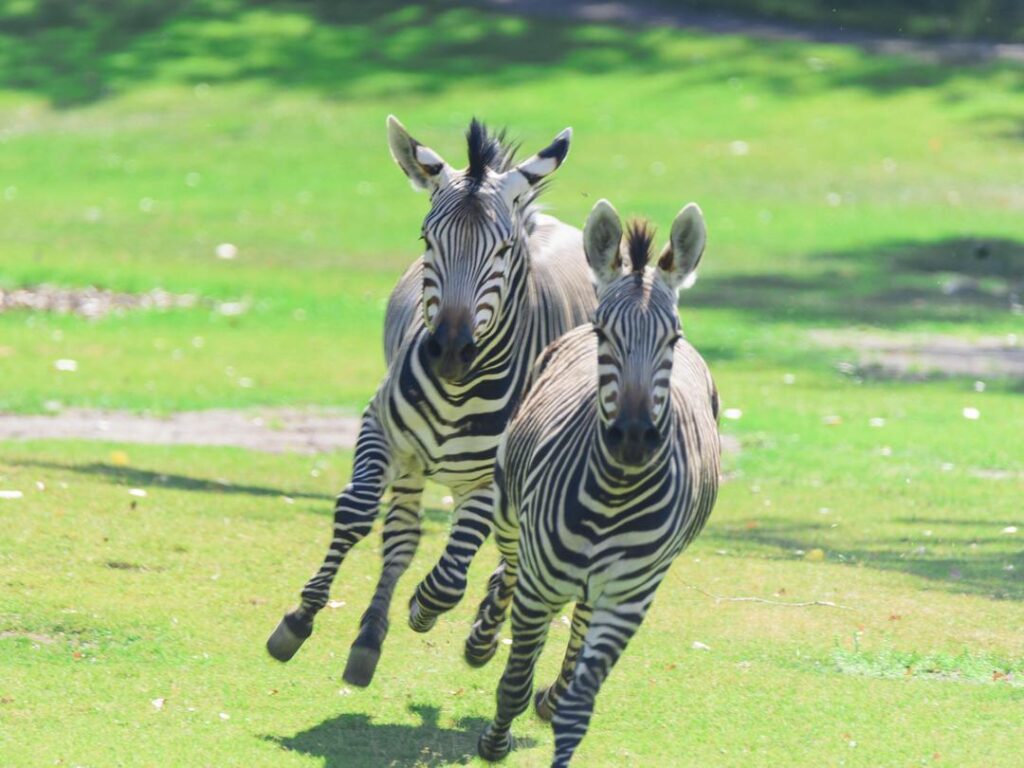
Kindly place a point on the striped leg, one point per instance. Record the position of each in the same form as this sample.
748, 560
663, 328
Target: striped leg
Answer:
482, 641
445, 585
546, 699
531, 619
354, 512
401, 538
609, 633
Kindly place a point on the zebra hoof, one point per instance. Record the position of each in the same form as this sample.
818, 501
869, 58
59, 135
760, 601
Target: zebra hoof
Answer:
493, 750
476, 656
289, 636
542, 705
362, 663
420, 619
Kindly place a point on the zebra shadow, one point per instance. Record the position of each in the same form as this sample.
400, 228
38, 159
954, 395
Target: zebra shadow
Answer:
354, 741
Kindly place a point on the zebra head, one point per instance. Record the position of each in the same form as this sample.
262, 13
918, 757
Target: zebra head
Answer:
637, 325
475, 258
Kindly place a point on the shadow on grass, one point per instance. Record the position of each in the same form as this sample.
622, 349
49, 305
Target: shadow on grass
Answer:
74, 53
981, 572
953, 280
142, 478
355, 741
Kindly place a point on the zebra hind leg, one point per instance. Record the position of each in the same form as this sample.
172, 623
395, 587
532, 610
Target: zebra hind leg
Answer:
401, 539
354, 512
609, 633
546, 699
531, 619
445, 585
482, 642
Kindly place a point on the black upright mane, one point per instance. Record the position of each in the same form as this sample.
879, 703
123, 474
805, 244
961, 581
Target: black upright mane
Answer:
639, 238
488, 151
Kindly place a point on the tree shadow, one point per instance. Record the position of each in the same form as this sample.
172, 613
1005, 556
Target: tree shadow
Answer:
981, 572
952, 280
141, 478
355, 741
77, 53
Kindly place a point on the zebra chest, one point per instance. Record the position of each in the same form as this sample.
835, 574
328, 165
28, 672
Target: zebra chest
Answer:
453, 440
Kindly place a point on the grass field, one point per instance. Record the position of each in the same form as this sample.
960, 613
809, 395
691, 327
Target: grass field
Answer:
841, 189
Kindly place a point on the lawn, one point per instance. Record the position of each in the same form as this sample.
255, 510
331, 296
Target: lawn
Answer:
842, 190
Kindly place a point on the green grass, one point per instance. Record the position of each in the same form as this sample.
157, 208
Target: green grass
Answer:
111, 605
862, 186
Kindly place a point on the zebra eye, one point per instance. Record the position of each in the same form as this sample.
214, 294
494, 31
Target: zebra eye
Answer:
601, 335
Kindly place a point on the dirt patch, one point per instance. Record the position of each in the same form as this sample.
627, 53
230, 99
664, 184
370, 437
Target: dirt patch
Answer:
275, 430
908, 356
89, 302
93, 303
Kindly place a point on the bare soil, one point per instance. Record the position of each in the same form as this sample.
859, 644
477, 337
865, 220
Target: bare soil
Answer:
275, 430
904, 355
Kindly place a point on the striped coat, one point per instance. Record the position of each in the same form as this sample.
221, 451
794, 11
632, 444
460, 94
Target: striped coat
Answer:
608, 470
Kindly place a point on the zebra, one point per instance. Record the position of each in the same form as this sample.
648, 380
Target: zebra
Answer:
497, 281
605, 474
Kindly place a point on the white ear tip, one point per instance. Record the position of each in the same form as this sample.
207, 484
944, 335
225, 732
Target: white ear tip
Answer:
692, 211
604, 206
565, 134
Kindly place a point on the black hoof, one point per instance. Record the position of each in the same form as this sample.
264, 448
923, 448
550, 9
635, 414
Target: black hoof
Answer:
420, 619
289, 636
542, 705
493, 753
362, 663
475, 658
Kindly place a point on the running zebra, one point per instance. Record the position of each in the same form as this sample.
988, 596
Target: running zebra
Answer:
496, 283
608, 470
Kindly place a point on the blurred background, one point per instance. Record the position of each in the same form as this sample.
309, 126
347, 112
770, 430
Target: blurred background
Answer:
198, 210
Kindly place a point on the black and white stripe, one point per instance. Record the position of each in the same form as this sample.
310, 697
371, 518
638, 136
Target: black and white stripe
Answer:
496, 283
608, 470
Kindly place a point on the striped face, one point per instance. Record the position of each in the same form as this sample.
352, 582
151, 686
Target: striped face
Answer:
469, 244
637, 326
475, 259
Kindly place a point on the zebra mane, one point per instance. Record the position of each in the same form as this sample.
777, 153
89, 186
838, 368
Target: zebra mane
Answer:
639, 238
488, 151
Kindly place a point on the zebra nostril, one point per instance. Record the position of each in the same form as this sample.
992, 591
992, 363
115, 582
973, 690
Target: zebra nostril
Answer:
651, 437
433, 348
468, 353
615, 435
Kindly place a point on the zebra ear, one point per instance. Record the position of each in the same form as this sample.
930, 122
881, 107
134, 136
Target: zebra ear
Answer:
678, 262
530, 172
602, 241
425, 168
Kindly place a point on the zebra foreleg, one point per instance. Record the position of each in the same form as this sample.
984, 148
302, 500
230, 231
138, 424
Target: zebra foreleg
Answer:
482, 641
354, 512
401, 538
546, 699
610, 631
445, 585
531, 619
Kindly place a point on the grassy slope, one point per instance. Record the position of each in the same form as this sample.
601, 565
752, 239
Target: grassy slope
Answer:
287, 139
111, 607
